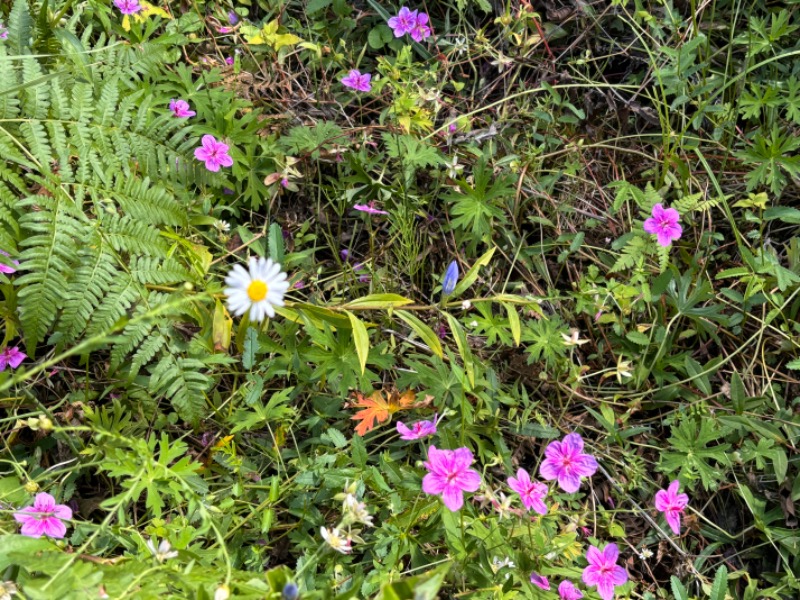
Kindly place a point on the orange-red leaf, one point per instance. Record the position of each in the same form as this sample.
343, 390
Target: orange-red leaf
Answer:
378, 408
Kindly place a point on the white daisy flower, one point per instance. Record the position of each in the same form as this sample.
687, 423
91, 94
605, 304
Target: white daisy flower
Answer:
335, 540
257, 291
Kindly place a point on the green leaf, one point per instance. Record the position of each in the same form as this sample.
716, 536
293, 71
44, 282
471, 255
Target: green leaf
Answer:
780, 463
513, 323
463, 347
425, 333
678, 590
638, 338
361, 339
720, 588
276, 248
250, 348
377, 302
783, 213
738, 395
314, 6
472, 274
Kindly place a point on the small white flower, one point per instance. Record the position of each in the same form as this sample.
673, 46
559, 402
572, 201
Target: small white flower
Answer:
258, 291
335, 540
498, 564
223, 592
355, 511
223, 226
573, 339
164, 551
453, 168
645, 553
623, 370
466, 305
473, 324
7, 589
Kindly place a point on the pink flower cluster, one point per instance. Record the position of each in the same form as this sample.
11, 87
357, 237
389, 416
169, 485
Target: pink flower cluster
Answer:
411, 22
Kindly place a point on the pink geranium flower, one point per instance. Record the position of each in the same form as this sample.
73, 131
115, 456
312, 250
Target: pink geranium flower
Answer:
664, 225
128, 7
404, 22
11, 357
567, 591
566, 462
3, 31
418, 430
370, 209
672, 504
540, 581
180, 108
44, 517
603, 570
449, 476
420, 31
531, 492
357, 81
213, 153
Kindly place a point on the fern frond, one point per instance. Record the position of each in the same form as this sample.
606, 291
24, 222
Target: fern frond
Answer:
632, 254
145, 269
180, 380
95, 274
48, 259
128, 235
120, 297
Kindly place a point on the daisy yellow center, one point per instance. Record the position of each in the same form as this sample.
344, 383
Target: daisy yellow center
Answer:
257, 290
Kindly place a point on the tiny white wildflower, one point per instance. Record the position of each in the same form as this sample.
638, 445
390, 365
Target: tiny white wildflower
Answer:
573, 339
223, 226
164, 551
259, 290
335, 540
645, 553
223, 592
355, 511
7, 589
466, 305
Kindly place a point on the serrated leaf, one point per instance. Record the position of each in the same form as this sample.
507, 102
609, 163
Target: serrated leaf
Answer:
638, 338
678, 590
720, 588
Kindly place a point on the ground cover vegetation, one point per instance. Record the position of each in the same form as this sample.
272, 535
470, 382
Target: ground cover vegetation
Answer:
353, 299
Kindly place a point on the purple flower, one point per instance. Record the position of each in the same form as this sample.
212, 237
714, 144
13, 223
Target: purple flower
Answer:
44, 517
566, 462
370, 209
364, 279
672, 504
567, 591
284, 182
229, 60
233, 18
540, 581
357, 81
421, 31
180, 108
450, 278
345, 254
224, 30
3, 31
299, 285
603, 570
531, 492
128, 7
449, 475
418, 430
664, 225
213, 153
404, 22
11, 357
